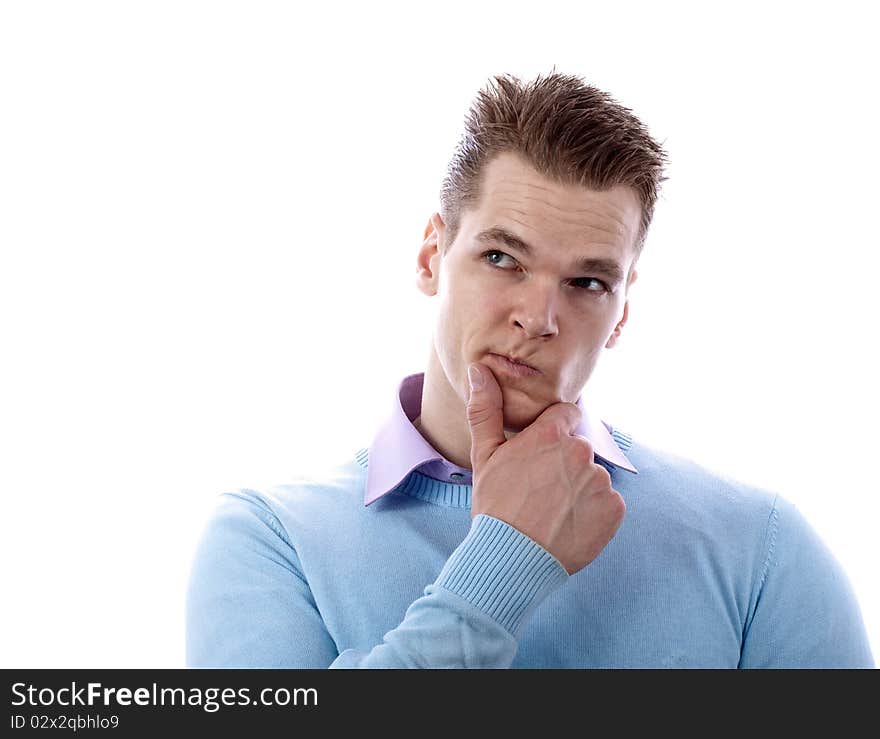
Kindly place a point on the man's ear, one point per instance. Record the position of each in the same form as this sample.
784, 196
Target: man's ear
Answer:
615, 335
429, 257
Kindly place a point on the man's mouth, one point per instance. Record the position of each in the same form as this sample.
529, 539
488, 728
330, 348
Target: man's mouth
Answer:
514, 366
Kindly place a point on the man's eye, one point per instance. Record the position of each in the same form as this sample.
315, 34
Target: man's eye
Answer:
495, 253
602, 286
494, 258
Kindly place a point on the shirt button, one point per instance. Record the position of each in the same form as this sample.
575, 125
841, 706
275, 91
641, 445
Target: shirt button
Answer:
456, 475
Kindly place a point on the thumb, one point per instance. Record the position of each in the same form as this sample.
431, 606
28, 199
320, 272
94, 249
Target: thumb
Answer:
485, 414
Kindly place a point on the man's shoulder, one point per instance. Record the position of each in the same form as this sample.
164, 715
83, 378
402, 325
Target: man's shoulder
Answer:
313, 496
322, 485
674, 478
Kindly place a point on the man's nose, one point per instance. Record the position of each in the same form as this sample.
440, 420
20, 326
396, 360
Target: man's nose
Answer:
535, 311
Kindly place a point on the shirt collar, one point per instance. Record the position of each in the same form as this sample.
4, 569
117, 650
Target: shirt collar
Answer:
398, 448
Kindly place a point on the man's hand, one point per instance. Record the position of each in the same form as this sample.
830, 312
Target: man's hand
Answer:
543, 481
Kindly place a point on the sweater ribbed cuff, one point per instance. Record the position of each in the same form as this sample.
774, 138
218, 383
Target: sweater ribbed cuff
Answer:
502, 572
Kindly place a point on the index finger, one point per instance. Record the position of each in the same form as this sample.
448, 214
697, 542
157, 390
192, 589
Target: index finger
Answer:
566, 416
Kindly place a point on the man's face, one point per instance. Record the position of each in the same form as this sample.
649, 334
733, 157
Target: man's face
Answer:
543, 306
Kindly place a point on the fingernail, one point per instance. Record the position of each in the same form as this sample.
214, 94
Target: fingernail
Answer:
475, 377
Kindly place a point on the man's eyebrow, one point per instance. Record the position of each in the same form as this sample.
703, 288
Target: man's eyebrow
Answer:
497, 234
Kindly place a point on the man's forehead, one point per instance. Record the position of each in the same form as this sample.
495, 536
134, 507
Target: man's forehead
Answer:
512, 190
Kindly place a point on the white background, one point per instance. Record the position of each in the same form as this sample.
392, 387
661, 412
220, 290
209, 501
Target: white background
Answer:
209, 216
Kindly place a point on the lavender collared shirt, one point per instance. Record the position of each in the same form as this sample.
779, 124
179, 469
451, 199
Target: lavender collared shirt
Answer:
398, 448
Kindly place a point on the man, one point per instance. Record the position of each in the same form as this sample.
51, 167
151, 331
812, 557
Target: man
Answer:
494, 522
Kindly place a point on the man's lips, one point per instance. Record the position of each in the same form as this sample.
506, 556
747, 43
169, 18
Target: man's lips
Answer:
515, 366
515, 361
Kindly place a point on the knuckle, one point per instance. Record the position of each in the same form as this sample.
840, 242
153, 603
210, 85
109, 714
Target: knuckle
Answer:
584, 442
585, 454
476, 414
581, 449
550, 433
563, 413
603, 476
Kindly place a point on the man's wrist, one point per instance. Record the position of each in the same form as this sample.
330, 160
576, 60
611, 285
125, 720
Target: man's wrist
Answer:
501, 571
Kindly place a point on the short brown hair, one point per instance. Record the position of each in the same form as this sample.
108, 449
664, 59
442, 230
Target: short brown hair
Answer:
569, 131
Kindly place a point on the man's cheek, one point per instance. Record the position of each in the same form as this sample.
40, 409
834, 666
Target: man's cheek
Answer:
489, 303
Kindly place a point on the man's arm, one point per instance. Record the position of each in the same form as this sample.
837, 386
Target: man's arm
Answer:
249, 603
805, 613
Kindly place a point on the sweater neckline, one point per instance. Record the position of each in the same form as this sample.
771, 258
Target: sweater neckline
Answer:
450, 494
458, 495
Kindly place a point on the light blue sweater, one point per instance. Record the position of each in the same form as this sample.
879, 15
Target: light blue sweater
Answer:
703, 572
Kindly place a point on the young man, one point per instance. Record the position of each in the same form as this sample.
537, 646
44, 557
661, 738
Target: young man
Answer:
494, 522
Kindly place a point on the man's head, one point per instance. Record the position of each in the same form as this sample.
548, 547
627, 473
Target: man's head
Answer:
570, 132
543, 215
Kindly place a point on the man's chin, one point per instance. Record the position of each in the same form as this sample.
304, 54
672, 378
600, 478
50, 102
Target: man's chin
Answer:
522, 410
517, 419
